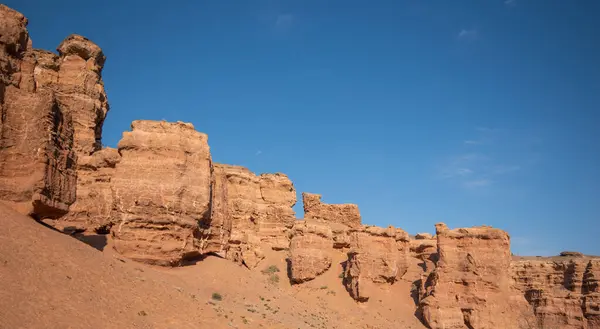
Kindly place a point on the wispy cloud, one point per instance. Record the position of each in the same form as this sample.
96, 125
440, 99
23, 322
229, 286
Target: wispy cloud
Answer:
259, 152
466, 34
482, 161
510, 2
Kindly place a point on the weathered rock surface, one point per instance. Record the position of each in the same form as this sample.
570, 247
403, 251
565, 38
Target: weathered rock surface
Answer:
94, 209
163, 201
347, 214
470, 286
82, 91
260, 210
563, 291
37, 163
310, 250
377, 257
161, 191
215, 229
422, 258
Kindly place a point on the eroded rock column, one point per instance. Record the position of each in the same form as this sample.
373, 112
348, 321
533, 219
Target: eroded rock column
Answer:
310, 250
471, 286
161, 188
37, 164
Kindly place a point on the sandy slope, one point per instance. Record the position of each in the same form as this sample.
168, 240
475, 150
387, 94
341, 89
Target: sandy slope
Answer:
50, 280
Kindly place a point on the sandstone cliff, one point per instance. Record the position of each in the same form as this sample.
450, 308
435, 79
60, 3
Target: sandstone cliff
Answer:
470, 286
161, 191
37, 158
159, 199
563, 291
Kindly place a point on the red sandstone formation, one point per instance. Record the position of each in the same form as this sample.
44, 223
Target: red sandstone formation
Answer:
470, 286
563, 291
378, 256
37, 161
163, 200
346, 214
161, 191
310, 250
260, 211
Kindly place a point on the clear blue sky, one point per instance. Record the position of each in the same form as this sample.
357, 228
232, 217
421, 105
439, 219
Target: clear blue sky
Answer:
467, 112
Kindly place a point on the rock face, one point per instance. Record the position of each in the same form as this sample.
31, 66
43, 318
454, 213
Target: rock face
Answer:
310, 250
563, 291
94, 209
162, 200
215, 229
378, 256
346, 214
82, 91
161, 191
37, 162
260, 210
471, 287
75, 77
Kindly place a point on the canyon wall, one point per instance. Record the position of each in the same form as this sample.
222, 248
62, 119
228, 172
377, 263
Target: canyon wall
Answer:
161, 200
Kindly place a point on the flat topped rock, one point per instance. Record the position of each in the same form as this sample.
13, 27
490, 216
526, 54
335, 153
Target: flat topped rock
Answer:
571, 254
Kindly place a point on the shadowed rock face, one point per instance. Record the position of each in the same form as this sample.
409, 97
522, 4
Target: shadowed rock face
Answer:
471, 287
161, 190
37, 163
563, 291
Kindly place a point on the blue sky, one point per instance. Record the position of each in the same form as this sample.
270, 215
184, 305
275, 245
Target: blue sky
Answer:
466, 112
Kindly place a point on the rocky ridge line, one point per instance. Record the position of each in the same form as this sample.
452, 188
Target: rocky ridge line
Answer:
161, 200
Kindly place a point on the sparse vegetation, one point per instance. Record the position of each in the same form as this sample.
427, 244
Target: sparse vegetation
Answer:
274, 278
271, 269
323, 287
217, 296
341, 276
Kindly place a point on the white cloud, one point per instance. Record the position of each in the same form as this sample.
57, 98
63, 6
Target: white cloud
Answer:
489, 165
466, 34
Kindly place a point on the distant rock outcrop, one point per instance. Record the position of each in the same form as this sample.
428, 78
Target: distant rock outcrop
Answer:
564, 293
346, 214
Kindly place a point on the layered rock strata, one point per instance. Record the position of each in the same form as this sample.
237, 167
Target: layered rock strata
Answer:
260, 211
470, 286
347, 214
161, 191
163, 201
377, 257
563, 291
310, 250
37, 161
